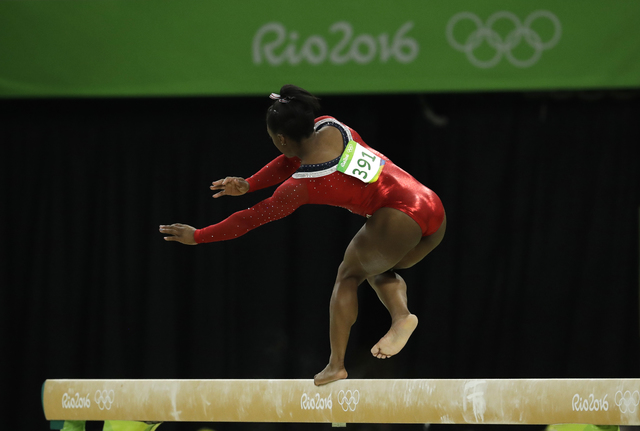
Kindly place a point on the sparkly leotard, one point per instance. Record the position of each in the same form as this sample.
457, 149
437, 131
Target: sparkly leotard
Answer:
323, 184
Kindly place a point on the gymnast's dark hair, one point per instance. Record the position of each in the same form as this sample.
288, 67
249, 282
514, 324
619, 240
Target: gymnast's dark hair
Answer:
292, 114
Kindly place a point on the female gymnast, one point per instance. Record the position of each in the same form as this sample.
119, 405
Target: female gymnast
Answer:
324, 161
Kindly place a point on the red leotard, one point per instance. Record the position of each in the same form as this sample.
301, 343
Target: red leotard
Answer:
322, 184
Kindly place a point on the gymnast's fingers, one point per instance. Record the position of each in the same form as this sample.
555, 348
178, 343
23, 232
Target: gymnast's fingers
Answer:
167, 229
173, 229
216, 185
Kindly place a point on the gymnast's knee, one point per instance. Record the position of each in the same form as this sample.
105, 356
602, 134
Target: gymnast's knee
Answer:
349, 274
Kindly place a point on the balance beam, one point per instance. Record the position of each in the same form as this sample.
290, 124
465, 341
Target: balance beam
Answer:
482, 401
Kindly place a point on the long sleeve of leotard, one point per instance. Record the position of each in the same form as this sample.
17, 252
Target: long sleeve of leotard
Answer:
285, 200
278, 170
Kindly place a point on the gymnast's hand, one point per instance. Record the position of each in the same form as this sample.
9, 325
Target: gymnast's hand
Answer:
231, 186
179, 232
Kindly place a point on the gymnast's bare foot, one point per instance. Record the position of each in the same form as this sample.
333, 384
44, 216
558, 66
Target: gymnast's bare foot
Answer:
330, 374
396, 338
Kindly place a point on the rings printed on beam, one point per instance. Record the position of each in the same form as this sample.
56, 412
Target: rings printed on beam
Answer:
104, 399
628, 401
348, 400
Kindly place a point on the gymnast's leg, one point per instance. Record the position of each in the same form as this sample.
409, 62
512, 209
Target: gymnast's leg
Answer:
385, 239
392, 291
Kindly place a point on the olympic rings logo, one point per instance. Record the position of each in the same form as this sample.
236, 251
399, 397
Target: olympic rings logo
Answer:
522, 31
104, 399
348, 400
627, 401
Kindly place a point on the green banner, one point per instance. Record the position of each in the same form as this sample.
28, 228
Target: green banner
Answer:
248, 47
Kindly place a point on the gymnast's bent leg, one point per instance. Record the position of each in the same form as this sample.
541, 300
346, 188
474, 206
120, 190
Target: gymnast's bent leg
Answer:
392, 291
385, 239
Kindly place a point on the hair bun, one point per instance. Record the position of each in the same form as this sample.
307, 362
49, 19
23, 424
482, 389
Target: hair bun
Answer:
294, 120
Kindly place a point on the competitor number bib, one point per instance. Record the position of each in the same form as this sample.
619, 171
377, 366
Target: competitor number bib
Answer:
361, 163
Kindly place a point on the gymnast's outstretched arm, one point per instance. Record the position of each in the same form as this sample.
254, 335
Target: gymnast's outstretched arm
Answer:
275, 172
285, 200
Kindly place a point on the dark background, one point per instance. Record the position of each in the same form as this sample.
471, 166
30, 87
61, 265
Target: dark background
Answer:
536, 277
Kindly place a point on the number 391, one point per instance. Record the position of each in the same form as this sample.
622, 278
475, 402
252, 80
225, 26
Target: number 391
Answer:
364, 164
